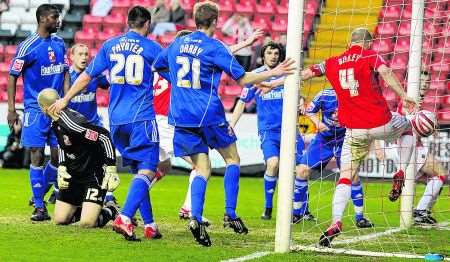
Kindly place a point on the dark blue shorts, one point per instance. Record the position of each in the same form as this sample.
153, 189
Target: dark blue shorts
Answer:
271, 142
321, 150
37, 130
138, 143
189, 141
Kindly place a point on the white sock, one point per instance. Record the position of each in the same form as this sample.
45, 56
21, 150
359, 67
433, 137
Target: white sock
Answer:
432, 189
187, 200
341, 196
406, 144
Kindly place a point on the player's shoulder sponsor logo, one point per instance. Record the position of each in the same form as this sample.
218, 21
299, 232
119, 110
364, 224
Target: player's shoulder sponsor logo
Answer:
91, 135
18, 65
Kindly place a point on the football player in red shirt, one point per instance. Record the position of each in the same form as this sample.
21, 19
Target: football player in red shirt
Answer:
362, 110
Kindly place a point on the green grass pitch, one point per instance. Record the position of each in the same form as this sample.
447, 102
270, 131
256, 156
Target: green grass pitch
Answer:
21, 240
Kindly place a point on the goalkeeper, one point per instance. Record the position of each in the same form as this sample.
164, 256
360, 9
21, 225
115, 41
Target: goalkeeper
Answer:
86, 167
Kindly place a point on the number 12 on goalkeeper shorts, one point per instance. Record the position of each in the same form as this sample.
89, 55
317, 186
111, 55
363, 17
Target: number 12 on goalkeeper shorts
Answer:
92, 195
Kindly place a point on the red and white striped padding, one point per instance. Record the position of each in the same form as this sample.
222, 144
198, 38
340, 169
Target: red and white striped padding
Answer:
424, 123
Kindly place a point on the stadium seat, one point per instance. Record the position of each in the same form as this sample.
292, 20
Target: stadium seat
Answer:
280, 24
67, 34
9, 21
227, 7
444, 116
3, 82
262, 23
102, 97
92, 22
266, 7
167, 39
245, 7
105, 35
4, 68
382, 46
187, 5
120, 7
311, 7
115, 22
430, 29
402, 45
79, 6
21, 35
29, 18
85, 37
406, 13
282, 7
73, 19
404, 29
146, 3
390, 13
385, 30
10, 52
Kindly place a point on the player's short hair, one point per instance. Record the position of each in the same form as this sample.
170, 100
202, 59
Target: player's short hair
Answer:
361, 35
138, 16
182, 33
272, 45
47, 97
205, 13
75, 46
46, 10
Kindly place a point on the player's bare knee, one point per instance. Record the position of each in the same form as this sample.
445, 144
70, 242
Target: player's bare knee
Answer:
36, 156
272, 166
164, 166
61, 220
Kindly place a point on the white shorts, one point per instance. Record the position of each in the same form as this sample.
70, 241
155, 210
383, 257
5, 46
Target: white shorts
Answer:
357, 141
166, 133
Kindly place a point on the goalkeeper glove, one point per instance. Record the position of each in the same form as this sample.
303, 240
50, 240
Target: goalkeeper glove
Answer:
111, 180
63, 177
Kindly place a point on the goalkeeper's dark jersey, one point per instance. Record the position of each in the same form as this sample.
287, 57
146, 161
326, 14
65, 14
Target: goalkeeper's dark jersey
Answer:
83, 148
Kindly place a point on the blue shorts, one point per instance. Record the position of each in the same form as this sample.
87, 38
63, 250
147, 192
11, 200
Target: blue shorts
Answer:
321, 150
271, 141
188, 141
37, 130
138, 143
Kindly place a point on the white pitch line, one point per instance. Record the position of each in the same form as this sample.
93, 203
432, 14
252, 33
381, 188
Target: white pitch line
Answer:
357, 252
367, 237
439, 226
248, 257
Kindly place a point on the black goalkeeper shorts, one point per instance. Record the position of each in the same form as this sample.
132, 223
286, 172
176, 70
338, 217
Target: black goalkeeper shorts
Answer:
77, 193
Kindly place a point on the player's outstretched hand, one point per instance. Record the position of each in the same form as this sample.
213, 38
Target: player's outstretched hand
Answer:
111, 179
13, 118
255, 36
59, 105
411, 104
284, 68
263, 88
63, 177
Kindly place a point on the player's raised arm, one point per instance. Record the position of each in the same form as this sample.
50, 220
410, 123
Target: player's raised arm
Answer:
393, 83
248, 42
285, 68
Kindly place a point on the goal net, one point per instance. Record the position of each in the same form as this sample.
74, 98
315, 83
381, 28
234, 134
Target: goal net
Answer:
390, 23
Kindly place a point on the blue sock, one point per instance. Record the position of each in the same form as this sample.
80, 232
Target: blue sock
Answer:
50, 173
358, 200
37, 185
300, 197
109, 196
231, 185
198, 190
270, 182
136, 193
146, 210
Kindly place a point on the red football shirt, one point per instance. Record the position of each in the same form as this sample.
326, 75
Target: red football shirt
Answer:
353, 76
161, 95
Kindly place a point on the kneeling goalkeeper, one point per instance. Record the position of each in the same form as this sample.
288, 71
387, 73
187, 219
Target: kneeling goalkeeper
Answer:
86, 167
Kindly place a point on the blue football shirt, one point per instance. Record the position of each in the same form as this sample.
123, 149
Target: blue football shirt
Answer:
128, 58
269, 107
196, 62
85, 102
326, 102
42, 63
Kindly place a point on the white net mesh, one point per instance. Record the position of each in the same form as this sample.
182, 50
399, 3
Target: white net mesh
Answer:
390, 22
